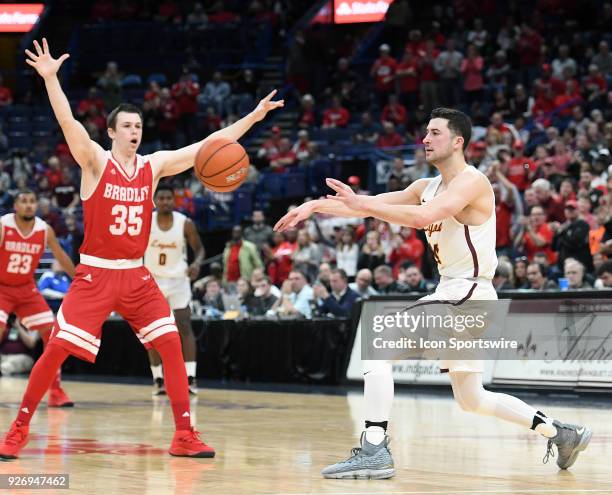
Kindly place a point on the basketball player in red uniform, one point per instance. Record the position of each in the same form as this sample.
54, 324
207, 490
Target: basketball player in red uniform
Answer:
23, 239
117, 194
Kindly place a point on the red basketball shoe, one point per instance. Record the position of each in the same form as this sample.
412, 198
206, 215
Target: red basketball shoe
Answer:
59, 398
187, 443
15, 440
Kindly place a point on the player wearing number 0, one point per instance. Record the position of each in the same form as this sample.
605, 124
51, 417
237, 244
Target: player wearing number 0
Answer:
166, 259
457, 212
23, 239
117, 194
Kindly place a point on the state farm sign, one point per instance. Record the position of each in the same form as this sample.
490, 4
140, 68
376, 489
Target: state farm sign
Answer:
19, 17
349, 11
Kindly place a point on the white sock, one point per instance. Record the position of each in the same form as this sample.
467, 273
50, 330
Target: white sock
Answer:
190, 366
157, 372
378, 391
546, 429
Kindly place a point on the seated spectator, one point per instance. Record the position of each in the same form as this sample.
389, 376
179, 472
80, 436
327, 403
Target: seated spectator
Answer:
336, 115
168, 121
212, 300
340, 302
323, 275
240, 257
602, 230
414, 280
574, 273
368, 131
264, 299
154, 92
604, 276
65, 194
520, 273
603, 58
256, 277
308, 117
384, 281
389, 138
571, 238
372, 253
259, 233
284, 157
553, 272
552, 205
347, 252
211, 121
394, 111
71, 238
520, 168
562, 62
406, 247
502, 279
301, 147
270, 146
296, 296
93, 100
363, 284
383, 73
245, 294
110, 84
216, 92
307, 256
419, 169
536, 275
584, 210
16, 349
244, 93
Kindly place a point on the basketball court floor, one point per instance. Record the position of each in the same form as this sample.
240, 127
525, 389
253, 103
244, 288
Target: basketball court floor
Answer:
116, 440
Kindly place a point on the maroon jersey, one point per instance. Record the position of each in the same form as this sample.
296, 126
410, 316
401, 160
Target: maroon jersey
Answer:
20, 254
117, 215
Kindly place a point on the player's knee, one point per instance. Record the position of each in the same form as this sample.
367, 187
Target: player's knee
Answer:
171, 339
376, 367
472, 402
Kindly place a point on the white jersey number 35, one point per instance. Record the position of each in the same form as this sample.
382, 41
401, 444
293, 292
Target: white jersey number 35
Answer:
126, 219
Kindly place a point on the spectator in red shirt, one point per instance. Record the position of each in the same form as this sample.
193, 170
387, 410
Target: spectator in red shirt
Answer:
429, 77
301, 148
93, 100
169, 118
595, 86
285, 157
153, 92
565, 102
472, 70
406, 246
543, 107
408, 78
54, 172
383, 72
336, 115
552, 205
538, 235
394, 111
566, 191
185, 92
529, 48
280, 255
547, 82
211, 122
270, 146
389, 138
520, 168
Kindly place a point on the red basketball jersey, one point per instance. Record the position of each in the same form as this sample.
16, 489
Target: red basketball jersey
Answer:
20, 254
117, 215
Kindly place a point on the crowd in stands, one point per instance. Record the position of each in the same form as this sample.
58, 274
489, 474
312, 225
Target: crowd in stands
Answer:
540, 100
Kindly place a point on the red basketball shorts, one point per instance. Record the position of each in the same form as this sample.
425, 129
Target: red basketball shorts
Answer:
95, 293
27, 304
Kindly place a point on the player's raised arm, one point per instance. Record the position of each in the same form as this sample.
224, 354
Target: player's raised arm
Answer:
174, 162
60, 255
83, 149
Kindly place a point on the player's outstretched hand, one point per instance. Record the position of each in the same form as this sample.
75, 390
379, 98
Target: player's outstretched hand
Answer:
344, 194
265, 105
42, 61
295, 216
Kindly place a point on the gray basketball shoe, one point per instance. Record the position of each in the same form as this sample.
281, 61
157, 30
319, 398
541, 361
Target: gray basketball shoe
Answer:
570, 441
366, 462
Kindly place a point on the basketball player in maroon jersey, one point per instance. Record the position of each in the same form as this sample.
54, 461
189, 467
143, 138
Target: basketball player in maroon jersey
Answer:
117, 194
23, 239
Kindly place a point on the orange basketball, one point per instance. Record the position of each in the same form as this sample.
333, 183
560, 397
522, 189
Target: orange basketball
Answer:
221, 165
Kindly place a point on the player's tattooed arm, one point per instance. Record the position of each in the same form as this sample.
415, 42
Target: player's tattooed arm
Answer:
86, 152
58, 252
